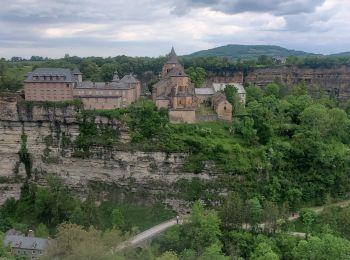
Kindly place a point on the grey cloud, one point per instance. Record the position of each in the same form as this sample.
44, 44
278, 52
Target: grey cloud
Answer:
276, 7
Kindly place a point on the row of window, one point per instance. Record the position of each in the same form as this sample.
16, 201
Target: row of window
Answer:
49, 77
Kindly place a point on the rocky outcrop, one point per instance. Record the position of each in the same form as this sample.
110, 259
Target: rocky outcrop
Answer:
333, 80
111, 171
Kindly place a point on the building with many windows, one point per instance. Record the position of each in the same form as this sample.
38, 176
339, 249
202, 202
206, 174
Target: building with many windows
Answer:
55, 84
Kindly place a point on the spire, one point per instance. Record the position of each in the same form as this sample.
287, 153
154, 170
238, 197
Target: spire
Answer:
172, 57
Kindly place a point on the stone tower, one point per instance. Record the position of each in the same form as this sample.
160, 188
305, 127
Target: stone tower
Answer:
171, 63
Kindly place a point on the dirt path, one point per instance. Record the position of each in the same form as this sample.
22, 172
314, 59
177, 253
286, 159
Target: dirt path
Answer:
149, 233
160, 228
318, 210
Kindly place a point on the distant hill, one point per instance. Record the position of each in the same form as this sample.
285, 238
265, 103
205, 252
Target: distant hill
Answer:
342, 54
249, 52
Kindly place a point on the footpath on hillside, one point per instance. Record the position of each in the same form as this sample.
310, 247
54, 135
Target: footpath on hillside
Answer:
160, 228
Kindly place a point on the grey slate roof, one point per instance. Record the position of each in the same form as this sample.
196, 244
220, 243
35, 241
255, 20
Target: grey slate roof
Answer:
175, 72
76, 71
65, 75
130, 79
172, 57
204, 91
23, 242
217, 98
103, 85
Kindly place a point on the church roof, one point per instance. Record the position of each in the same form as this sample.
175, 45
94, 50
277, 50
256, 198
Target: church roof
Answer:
172, 57
176, 72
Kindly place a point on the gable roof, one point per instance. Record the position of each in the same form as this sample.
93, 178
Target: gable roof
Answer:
218, 97
64, 75
176, 72
130, 79
204, 91
23, 242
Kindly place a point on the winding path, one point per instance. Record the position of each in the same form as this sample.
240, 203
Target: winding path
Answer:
149, 234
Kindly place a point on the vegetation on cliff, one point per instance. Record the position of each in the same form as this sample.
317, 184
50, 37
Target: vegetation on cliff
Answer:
44, 208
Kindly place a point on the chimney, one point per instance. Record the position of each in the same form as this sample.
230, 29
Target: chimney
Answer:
31, 233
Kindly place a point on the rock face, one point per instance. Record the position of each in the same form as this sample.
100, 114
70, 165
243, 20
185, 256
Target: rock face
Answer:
111, 171
332, 80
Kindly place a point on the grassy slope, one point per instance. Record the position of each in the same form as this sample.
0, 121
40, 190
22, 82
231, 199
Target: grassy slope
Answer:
248, 51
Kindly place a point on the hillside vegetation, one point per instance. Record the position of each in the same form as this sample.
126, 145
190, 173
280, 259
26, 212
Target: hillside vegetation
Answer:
249, 52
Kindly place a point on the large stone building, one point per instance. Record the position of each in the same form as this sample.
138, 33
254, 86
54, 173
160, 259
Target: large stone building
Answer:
52, 84
108, 95
175, 92
48, 84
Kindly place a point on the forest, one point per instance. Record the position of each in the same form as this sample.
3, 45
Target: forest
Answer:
284, 153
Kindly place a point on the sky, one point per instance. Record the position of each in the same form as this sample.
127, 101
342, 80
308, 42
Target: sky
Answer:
106, 28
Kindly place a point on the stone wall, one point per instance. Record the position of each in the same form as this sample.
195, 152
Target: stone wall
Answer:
115, 172
181, 116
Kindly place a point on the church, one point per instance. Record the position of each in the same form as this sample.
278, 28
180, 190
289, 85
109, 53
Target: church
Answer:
176, 93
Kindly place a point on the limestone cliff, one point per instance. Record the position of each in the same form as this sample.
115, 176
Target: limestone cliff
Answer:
334, 80
110, 170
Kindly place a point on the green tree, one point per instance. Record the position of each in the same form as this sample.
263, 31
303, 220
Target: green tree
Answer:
264, 252
117, 219
41, 231
255, 211
197, 75
213, 252
253, 93
107, 71
273, 89
168, 255
73, 242
270, 215
344, 222
323, 248
294, 196
307, 216
245, 127
234, 99
4, 251
232, 211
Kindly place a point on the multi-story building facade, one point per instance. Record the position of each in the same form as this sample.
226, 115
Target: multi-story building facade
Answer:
108, 95
52, 84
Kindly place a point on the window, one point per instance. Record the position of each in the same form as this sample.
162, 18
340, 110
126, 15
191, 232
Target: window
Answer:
225, 108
